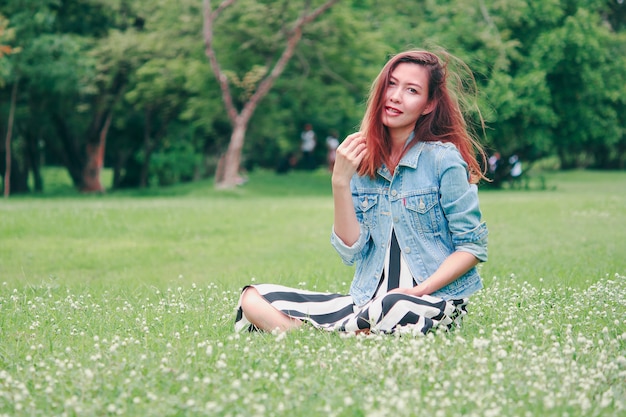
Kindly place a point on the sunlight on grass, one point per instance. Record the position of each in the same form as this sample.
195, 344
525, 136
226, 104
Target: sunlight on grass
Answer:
123, 304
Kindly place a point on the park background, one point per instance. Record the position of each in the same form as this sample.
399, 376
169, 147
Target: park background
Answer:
120, 300
88, 84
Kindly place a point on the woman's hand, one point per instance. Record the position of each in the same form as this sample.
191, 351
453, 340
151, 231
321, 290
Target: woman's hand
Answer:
349, 156
416, 291
453, 267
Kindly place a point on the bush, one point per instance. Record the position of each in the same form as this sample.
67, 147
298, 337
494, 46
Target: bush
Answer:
175, 164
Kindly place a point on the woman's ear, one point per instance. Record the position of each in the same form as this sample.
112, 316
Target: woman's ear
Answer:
429, 108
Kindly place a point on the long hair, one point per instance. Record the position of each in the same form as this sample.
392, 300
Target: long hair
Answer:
445, 123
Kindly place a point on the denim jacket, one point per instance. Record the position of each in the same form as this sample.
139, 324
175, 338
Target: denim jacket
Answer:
434, 211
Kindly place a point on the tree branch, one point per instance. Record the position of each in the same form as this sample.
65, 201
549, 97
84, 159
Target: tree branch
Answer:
292, 41
502, 58
334, 75
307, 18
7, 174
222, 79
221, 7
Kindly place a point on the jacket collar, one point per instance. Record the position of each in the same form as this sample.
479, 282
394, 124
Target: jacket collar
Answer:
408, 160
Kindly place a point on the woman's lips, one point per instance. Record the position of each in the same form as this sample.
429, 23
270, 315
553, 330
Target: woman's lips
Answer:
392, 110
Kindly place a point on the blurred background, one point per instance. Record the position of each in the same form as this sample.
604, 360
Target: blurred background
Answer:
131, 88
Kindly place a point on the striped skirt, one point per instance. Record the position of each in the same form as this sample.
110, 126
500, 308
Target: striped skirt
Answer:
385, 313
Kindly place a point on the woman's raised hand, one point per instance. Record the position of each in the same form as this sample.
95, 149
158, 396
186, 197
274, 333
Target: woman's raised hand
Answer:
349, 156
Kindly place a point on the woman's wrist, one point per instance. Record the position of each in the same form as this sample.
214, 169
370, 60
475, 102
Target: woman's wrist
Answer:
340, 184
420, 290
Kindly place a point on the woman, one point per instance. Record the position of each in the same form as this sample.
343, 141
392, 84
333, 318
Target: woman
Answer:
406, 214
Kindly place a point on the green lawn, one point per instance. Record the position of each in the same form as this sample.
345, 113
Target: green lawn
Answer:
123, 304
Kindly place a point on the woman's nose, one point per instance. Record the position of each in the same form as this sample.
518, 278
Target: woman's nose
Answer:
394, 95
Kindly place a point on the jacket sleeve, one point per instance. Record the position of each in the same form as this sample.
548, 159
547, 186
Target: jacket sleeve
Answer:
350, 254
459, 201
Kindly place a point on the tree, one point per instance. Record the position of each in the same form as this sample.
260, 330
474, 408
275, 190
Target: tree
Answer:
551, 73
161, 86
118, 57
55, 74
587, 79
257, 82
7, 35
325, 84
124, 84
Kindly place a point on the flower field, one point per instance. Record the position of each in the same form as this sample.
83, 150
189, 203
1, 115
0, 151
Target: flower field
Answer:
124, 306
524, 351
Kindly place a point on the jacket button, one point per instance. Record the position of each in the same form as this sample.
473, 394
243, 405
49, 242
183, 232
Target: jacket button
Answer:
407, 250
394, 193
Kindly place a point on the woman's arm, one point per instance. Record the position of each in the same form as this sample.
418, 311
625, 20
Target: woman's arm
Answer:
349, 155
459, 201
452, 268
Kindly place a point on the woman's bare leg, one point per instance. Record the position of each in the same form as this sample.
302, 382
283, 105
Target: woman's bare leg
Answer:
261, 313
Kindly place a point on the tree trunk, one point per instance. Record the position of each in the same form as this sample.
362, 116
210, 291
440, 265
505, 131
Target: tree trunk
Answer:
19, 175
7, 174
621, 154
69, 152
227, 175
120, 161
95, 160
34, 160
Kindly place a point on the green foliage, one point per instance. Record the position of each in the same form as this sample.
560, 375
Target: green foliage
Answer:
176, 163
542, 68
552, 76
7, 34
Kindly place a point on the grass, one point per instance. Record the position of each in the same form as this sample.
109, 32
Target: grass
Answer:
123, 304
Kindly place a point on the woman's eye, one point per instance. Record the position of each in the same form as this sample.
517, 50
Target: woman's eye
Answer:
412, 91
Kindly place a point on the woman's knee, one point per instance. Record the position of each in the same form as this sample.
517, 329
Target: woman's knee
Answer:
262, 314
250, 298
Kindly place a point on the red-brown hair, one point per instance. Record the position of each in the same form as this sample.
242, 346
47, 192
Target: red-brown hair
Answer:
444, 123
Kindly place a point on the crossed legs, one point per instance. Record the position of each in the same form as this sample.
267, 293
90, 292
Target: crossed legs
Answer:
260, 313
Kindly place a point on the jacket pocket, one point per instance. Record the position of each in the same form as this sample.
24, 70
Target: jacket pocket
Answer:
424, 212
366, 207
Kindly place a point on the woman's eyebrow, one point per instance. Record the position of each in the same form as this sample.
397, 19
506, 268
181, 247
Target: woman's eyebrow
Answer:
410, 83
416, 85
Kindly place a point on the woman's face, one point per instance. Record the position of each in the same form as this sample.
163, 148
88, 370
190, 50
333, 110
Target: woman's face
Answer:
406, 99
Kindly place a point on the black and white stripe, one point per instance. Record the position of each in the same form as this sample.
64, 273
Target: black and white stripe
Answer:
385, 313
